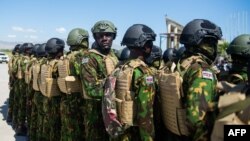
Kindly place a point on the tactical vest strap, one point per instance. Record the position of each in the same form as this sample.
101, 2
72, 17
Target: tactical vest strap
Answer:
35, 73
19, 70
110, 62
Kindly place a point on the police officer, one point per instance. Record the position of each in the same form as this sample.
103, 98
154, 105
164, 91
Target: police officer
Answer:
72, 100
29, 89
37, 113
238, 49
12, 79
200, 38
139, 39
96, 65
234, 105
26, 50
49, 88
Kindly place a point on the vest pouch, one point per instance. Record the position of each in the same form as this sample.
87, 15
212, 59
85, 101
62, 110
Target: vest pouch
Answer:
69, 84
35, 73
127, 112
26, 77
126, 109
19, 73
52, 87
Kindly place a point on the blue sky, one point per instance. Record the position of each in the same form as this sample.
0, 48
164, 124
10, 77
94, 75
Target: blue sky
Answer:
39, 20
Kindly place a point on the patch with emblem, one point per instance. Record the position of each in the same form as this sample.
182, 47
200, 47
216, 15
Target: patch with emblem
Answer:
85, 60
149, 80
207, 75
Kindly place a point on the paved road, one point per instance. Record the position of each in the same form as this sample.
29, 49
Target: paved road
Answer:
6, 131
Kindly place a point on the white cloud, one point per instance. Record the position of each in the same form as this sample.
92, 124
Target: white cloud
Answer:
16, 28
20, 29
60, 30
30, 30
11, 36
33, 37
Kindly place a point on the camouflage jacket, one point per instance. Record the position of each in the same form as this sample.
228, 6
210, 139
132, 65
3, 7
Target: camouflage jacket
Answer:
74, 65
93, 73
144, 86
200, 98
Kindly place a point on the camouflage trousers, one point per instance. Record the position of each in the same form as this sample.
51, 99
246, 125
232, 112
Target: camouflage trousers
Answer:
16, 98
29, 95
93, 121
72, 117
11, 99
22, 103
33, 118
53, 117
38, 101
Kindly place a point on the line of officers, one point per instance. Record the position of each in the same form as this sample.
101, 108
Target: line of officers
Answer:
59, 97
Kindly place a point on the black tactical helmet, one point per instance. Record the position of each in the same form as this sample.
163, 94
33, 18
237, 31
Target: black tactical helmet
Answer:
16, 48
137, 35
40, 51
240, 46
196, 30
35, 48
54, 46
26, 48
169, 55
180, 52
155, 54
124, 55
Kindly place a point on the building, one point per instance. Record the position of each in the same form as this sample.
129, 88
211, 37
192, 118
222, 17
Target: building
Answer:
172, 35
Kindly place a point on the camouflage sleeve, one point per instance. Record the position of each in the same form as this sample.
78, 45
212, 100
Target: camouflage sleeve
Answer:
15, 64
145, 89
200, 92
92, 75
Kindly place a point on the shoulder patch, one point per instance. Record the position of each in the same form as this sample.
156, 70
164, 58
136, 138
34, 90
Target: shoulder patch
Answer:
149, 80
207, 75
85, 60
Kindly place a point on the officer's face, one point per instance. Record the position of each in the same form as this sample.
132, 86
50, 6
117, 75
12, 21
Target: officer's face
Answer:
104, 39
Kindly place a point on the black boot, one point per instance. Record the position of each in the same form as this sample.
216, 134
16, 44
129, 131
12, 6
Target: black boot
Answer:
21, 130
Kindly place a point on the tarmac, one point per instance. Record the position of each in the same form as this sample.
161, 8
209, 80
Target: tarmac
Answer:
6, 131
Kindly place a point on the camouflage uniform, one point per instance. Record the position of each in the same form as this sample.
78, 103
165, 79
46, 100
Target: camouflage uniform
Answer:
12, 78
49, 88
16, 93
200, 99
93, 74
51, 108
21, 96
72, 105
37, 114
144, 89
29, 93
